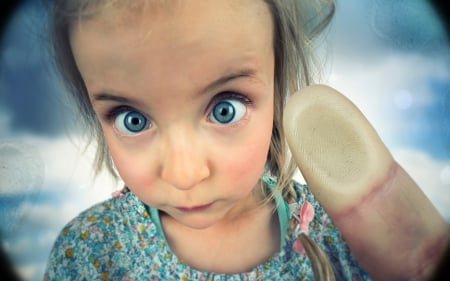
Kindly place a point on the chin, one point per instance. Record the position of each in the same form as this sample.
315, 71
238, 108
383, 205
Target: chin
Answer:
198, 222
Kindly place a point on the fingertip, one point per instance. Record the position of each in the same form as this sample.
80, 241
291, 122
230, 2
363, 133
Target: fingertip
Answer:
334, 145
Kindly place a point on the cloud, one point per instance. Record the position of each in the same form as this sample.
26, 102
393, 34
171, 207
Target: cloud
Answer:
33, 222
377, 84
4, 120
408, 25
45, 182
31, 271
21, 167
31, 94
369, 29
432, 175
31, 163
397, 95
28, 240
47, 216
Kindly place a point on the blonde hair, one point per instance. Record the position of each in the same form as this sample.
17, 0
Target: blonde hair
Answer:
296, 24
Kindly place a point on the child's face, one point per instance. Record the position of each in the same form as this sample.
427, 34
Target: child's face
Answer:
184, 94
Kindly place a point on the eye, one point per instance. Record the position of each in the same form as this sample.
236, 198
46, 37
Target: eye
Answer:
228, 111
131, 122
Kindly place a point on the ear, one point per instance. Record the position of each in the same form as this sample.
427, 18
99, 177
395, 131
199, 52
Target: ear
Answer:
370, 198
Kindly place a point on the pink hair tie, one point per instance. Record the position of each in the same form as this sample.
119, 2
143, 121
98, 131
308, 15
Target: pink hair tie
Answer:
304, 215
120, 192
117, 193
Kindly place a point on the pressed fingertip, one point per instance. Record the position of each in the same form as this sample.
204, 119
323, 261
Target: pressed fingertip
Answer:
333, 144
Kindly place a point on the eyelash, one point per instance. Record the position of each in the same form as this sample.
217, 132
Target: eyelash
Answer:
231, 95
229, 98
112, 114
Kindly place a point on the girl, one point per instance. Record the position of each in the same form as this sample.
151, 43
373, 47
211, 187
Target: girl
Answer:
186, 99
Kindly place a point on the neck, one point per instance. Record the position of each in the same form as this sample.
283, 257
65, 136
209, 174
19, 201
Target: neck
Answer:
236, 244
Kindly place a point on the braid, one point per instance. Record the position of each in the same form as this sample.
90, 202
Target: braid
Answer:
320, 264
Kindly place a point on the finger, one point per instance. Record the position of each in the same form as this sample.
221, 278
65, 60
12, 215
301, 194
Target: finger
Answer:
391, 227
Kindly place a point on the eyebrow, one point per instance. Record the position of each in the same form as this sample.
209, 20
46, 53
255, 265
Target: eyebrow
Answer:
247, 72
104, 96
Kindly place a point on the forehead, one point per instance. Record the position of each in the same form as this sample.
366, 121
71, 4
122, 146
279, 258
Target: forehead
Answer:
152, 37
164, 14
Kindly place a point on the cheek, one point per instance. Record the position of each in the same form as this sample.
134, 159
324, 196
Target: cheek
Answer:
133, 166
253, 156
245, 162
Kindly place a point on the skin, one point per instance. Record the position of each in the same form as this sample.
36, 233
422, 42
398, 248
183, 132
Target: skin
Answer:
203, 176
390, 225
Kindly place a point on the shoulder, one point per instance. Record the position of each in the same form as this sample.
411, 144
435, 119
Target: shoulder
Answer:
101, 218
98, 237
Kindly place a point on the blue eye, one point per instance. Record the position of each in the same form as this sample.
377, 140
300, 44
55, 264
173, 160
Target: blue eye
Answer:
131, 122
228, 111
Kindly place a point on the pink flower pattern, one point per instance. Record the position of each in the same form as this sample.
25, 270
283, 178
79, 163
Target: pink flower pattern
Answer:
118, 240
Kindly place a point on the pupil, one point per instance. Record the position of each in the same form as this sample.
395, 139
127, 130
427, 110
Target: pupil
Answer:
134, 122
224, 112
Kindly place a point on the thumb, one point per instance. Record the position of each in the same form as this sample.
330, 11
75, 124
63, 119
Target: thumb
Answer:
385, 218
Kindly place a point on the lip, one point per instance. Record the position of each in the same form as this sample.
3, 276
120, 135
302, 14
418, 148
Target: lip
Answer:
198, 208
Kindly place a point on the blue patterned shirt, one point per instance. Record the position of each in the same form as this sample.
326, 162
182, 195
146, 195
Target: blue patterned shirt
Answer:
122, 239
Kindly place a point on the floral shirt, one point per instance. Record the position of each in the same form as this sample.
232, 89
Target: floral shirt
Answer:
122, 239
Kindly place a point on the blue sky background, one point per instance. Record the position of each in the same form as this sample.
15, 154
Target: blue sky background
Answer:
390, 57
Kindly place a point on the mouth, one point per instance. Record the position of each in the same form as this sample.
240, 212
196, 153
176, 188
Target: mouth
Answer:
198, 208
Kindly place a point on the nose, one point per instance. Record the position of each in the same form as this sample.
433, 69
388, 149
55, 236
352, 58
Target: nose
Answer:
184, 162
